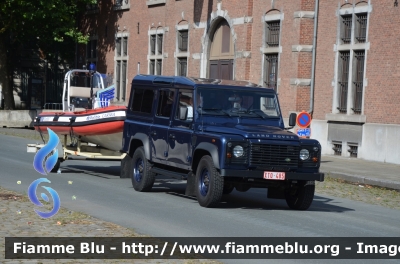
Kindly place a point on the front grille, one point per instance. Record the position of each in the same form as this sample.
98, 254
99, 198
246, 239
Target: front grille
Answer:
263, 155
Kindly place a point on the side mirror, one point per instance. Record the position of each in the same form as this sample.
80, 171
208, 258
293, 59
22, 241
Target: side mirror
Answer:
292, 119
183, 111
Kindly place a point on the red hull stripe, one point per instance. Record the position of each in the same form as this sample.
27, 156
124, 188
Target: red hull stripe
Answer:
94, 129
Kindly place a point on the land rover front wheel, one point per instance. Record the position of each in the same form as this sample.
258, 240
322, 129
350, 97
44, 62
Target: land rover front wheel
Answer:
142, 177
301, 195
209, 183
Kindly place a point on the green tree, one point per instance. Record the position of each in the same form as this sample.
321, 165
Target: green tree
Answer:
45, 21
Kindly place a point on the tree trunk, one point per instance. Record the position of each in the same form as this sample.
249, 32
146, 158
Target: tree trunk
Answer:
7, 89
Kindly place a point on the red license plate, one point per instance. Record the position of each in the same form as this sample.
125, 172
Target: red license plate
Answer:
274, 175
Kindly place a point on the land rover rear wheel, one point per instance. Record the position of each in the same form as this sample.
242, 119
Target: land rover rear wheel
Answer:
300, 196
209, 183
142, 178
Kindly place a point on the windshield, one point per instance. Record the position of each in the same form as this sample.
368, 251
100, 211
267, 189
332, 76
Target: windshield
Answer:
214, 101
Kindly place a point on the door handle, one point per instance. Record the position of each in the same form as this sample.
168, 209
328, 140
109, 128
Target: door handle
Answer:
172, 136
153, 133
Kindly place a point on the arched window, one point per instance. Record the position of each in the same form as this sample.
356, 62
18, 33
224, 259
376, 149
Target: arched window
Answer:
221, 53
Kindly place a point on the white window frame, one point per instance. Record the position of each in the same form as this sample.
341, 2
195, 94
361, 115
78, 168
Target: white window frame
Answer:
179, 54
271, 50
120, 94
352, 47
157, 56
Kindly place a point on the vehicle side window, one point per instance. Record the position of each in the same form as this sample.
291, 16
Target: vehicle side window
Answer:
142, 100
185, 103
165, 103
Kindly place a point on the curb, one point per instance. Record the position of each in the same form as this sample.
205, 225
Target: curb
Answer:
364, 180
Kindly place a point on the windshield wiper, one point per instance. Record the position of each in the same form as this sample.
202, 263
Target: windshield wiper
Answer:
256, 111
217, 109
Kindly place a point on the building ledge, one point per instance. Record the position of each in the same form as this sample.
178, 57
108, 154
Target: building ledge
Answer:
300, 82
346, 118
156, 57
155, 2
304, 14
302, 48
271, 50
182, 27
181, 54
273, 17
355, 46
243, 54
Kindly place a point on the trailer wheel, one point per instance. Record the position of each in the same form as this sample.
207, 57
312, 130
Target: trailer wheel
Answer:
209, 183
142, 178
57, 166
300, 197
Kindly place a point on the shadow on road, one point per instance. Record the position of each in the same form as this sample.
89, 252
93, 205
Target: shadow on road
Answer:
255, 199
101, 171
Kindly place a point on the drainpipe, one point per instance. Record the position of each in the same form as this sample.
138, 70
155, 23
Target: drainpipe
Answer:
311, 111
1, 94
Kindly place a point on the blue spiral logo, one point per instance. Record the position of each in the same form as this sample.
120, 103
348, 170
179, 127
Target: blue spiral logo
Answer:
54, 195
46, 158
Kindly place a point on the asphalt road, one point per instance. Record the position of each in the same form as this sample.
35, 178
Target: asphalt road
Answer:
167, 212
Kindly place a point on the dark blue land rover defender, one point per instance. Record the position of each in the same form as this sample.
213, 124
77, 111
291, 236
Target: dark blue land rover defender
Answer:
219, 135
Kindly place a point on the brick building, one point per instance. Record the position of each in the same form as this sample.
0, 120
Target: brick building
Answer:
344, 75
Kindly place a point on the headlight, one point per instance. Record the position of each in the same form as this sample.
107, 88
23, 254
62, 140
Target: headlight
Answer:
304, 154
238, 151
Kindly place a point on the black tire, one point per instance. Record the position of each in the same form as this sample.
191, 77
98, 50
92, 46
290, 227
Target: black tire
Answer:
209, 183
300, 197
228, 188
57, 166
142, 178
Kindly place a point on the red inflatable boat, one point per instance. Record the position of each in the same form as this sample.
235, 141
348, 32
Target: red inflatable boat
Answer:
101, 121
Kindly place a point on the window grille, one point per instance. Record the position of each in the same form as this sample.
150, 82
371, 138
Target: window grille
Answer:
346, 29
125, 46
123, 80
353, 149
153, 44
121, 67
182, 66
271, 70
155, 62
118, 79
343, 80
159, 67
358, 80
118, 46
337, 148
183, 41
152, 67
361, 30
272, 33
159, 43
